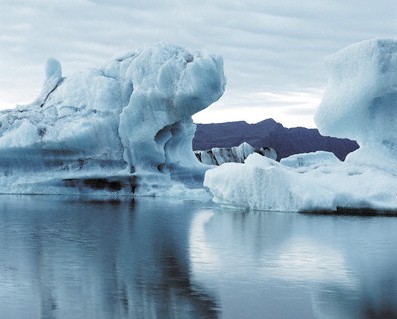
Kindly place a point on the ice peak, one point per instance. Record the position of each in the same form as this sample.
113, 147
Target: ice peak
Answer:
53, 69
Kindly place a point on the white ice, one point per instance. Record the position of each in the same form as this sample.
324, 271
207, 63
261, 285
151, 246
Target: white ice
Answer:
360, 102
123, 127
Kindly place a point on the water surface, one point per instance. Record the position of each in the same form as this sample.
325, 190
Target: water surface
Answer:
77, 258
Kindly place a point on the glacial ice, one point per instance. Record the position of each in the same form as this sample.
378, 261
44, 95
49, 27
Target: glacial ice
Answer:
124, 127
235, 154
360, 102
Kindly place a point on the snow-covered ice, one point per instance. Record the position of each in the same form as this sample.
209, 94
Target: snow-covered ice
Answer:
123, 127
360, 102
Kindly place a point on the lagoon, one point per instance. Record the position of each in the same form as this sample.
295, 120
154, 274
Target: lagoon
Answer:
73, 257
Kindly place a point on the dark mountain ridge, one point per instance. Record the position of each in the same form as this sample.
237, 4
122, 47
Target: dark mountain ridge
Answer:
286, 141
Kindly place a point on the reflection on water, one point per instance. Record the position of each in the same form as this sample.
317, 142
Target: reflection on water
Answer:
70, 258
74, 259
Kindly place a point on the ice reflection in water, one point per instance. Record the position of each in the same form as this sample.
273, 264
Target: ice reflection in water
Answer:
77, 259
283, 265
72, 258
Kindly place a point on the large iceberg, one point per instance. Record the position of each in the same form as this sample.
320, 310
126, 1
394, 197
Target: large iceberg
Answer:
124, 127
360, 102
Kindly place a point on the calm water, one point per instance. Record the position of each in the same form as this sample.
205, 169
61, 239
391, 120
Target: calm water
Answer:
71, 258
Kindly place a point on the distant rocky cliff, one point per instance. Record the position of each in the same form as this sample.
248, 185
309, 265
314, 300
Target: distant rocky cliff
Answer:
285, 141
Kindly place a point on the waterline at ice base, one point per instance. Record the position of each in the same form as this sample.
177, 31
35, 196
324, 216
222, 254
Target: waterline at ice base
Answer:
360, 102
123, 128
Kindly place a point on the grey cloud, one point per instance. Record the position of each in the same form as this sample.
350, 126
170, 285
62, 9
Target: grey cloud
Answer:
267, 46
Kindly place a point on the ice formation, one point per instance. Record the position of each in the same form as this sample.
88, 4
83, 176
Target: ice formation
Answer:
360, 102
124, 127
235, 154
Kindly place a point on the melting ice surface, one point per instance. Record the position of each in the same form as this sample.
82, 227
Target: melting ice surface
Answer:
360, 102
120, 128
68, 257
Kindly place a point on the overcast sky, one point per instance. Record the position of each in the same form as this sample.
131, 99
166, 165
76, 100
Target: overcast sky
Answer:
273, 51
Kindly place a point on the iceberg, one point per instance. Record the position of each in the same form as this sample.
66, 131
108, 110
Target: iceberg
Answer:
360, 103
121, 128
